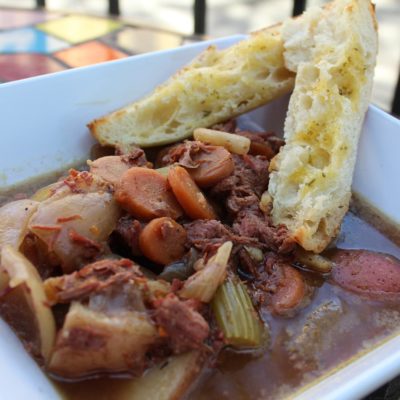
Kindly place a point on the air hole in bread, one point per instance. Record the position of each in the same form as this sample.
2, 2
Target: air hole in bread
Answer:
310, 73
262, 75
306, 102
165, 111
319, 158
281, 75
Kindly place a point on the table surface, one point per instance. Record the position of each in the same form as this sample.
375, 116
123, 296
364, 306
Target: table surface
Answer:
34, 42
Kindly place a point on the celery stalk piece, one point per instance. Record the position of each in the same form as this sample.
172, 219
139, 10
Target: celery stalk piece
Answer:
237, 317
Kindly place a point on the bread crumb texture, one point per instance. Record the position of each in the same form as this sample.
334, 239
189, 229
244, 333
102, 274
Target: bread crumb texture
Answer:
333, 50
216, 86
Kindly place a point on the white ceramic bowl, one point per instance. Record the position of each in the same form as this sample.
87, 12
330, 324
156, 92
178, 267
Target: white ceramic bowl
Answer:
43, 128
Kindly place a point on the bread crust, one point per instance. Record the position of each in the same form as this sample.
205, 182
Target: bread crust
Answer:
216, 86
333, 50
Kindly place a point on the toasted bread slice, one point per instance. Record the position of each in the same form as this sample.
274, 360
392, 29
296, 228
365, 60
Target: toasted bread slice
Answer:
333, 50
216, 86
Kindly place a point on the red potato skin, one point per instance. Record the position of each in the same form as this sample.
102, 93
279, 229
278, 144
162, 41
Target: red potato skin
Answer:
375, 275
163, 240
145, 194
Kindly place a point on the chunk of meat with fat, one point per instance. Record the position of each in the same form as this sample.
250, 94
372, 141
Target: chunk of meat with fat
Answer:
93, 278
92, 342
184, 327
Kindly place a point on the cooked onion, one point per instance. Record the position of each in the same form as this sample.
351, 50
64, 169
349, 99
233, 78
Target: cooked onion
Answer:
14, 219
205, 282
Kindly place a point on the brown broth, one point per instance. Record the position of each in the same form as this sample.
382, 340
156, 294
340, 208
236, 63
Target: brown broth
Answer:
335, 327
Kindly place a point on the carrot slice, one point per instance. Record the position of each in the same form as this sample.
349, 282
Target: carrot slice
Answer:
162, 240
215, 164
189, 195
145, 194
291, 291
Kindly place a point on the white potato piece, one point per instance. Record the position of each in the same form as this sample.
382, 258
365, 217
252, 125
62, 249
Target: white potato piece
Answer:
21, 272
91, 215
14, 219
92, 341
205, 282
234, 143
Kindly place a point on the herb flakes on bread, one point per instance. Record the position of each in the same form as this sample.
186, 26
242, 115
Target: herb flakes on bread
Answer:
216, 86
333, 51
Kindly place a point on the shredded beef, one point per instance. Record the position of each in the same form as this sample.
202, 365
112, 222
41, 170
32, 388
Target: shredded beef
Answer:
184, 154
266, 138
244, 187
128, 231
136, 158
205, 235
253, 223
184, 327
227, 126
91, 279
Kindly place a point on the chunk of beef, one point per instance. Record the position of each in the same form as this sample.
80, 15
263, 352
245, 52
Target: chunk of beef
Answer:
127, 232
136, 158
243, 188
227, 126
254, 223
184, 154
91, 279
184, 327
205, 235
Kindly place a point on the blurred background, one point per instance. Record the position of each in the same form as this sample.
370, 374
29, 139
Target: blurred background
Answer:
161, 19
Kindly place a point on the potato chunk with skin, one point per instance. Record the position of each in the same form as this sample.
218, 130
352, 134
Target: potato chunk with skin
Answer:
92, 341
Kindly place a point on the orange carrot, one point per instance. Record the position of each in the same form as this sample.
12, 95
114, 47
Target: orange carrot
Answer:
215, 164
162, 240
145, 194
291, 292
189, 195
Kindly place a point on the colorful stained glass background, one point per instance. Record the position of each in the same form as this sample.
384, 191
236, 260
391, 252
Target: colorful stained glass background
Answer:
36, 42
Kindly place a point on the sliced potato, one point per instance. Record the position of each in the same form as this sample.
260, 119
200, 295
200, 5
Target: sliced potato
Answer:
23, 274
